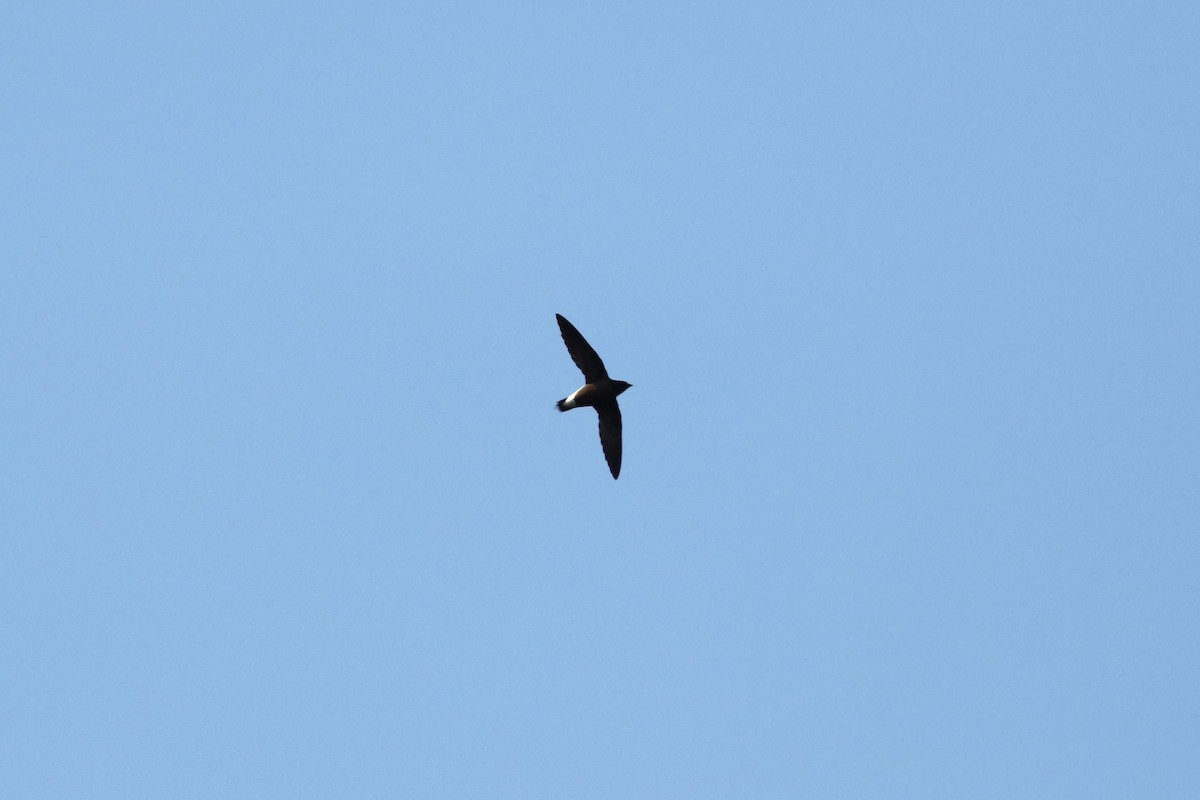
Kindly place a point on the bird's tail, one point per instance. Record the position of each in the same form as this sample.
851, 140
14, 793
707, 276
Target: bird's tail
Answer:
561, 405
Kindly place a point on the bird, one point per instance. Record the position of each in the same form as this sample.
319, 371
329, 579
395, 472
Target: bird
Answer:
598, 391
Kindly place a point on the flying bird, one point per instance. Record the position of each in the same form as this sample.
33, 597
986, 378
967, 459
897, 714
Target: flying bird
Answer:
598, 391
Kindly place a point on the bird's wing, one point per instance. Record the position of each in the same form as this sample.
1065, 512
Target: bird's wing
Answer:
610, 434
582, 354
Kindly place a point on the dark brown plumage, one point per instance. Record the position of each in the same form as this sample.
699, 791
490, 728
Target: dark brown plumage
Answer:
598, 391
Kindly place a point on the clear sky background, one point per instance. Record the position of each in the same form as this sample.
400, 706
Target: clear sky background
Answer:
909, 297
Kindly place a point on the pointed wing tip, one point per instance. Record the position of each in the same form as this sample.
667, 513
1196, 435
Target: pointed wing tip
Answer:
615, 469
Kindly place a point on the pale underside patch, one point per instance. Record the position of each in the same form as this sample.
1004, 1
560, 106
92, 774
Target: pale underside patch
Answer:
570, 401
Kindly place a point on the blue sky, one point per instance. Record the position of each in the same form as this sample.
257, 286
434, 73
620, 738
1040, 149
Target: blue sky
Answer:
908, 296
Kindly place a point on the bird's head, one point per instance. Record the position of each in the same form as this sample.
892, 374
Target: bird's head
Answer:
622, 386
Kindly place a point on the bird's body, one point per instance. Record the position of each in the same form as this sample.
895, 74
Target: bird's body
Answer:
598, 391
592, 394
